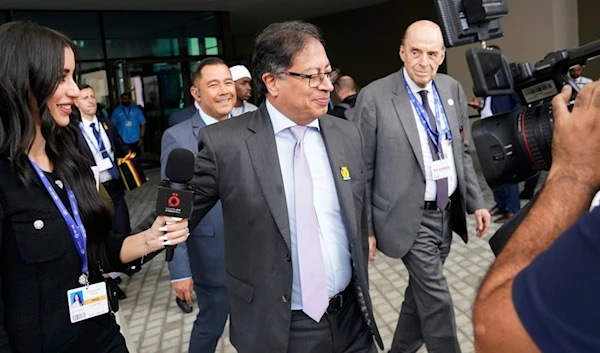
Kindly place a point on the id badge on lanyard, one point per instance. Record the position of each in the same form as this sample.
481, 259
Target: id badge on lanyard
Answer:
102, 163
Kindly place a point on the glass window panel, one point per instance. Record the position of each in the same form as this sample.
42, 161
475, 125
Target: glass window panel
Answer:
94, 75
81, 26
142, 34
3, 16
211, 45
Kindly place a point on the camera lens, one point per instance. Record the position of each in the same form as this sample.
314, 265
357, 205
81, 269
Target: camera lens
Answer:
536, 126
515, 146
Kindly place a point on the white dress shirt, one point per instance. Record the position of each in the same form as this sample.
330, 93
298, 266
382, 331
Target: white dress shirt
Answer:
335, 246
90, 138
486, 112
245, 108
208, 120
582, 81
430, 186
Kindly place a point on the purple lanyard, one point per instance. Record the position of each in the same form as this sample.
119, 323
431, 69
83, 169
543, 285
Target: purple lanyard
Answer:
76, 226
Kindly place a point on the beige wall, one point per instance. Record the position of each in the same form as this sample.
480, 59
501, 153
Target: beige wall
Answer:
363, 43
589, 31
532, 29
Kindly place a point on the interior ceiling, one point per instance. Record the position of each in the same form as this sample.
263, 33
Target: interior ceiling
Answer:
246, 15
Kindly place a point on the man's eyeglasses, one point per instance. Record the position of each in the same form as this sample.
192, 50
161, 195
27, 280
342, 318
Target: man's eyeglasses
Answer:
315, 80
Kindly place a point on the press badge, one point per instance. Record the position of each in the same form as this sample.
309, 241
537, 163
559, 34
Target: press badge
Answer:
440, 169
104, 164
129, 123
87, 302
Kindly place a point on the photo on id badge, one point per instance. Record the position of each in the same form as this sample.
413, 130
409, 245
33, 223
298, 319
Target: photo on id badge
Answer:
87, 302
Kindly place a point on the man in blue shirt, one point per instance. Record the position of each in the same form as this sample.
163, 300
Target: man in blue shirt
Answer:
541, 294
131, 123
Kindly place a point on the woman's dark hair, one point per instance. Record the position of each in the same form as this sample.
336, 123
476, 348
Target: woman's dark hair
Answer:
276, 47
31, 67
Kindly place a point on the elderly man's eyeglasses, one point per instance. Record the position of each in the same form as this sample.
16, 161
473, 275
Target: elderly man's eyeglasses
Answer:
315, 80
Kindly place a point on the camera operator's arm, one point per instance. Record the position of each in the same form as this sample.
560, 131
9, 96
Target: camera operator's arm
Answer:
527, 305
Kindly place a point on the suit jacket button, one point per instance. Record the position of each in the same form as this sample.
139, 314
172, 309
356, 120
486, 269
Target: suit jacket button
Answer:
285, 298
288, 257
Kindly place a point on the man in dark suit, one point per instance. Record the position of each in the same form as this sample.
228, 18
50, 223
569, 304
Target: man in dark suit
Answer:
188, 113
422, 182
184, 114
101, 143
292, 183
199, 263
345, 89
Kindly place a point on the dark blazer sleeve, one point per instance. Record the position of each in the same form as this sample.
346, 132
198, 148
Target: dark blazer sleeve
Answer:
205, 180
113, 254
4, 343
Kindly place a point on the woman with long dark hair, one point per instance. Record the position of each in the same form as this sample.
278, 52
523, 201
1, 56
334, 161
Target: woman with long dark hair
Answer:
55, 232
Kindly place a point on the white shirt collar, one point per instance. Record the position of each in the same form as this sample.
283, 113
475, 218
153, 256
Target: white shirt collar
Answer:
87, 123
413, 86
208, 120
281, 122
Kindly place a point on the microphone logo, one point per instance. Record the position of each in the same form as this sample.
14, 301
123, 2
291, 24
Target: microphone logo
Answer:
174, 200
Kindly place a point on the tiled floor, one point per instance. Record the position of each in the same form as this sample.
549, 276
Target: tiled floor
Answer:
156, 324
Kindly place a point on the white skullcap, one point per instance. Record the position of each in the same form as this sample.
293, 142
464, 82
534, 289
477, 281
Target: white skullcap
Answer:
239, 71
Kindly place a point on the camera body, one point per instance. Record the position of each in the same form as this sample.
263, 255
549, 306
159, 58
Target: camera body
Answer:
512, 146
515, 146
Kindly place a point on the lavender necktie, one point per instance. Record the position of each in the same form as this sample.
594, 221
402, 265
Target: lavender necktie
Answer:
441, 184
310, 259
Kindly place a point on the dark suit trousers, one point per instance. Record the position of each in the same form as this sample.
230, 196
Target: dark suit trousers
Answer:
135, 148
121, 223
427, 313
213, 306
344, 331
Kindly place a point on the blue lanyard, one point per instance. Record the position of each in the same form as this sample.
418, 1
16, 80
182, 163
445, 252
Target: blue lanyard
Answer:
126, 111
243, 107
76, 226
101, 147
440, 117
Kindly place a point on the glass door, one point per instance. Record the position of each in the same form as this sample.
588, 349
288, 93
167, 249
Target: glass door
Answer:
157, 89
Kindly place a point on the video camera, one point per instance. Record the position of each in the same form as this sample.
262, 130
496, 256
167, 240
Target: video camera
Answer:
516, 145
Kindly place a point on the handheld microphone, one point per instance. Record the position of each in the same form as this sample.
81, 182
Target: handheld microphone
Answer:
175, 196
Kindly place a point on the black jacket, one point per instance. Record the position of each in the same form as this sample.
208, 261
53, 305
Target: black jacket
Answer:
182, 115
38, 265
339, 109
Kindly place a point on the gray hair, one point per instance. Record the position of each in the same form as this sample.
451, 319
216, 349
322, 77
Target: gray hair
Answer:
276, 47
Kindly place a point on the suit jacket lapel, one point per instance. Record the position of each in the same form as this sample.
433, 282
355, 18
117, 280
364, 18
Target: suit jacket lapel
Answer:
263, 154
197, 123
450, 110
334, 143
407, 119
85, 148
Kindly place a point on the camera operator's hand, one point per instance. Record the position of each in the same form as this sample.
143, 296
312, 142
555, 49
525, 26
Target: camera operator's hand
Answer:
576, 141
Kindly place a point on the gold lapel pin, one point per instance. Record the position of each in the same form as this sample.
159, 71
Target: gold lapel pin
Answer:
345, 173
